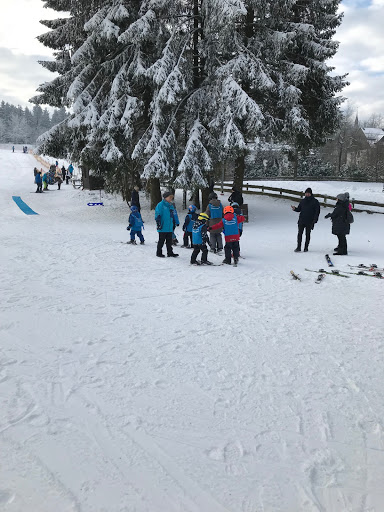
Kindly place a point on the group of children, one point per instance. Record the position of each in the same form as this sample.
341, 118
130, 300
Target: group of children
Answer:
54, 175
200, 229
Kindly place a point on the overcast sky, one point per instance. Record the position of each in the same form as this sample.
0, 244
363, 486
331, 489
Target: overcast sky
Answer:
361, 52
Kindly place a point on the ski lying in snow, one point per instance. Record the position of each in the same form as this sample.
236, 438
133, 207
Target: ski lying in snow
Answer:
295, 276
329, 261
320, 277
322, 271
378, 275
198, 264
370, 268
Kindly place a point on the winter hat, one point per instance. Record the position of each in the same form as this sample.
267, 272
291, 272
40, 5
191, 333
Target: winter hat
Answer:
134, 208
167, 194
212, 195
308, 191
341, 197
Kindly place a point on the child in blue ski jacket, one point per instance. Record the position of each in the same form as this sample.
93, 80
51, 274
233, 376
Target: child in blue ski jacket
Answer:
136, 224
165, 221
237, 211
199, 239
189, 221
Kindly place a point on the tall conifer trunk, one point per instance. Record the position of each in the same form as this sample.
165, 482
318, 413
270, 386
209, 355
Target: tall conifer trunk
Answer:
155, 192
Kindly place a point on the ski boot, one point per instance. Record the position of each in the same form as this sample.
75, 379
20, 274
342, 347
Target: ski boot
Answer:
132, 242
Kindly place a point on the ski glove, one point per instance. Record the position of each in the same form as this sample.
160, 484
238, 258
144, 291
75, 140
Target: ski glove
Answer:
158, 222
128, 228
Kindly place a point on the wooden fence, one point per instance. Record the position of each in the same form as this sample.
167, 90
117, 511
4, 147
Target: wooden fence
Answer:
294, 195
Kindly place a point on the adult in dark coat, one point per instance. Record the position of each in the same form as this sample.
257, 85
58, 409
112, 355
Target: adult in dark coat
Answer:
340, 224
135, 200
63, 172
309, 209
236, 197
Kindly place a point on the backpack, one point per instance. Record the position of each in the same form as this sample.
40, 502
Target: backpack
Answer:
350, 218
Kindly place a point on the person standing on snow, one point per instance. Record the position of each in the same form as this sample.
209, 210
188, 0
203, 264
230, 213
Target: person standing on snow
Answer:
135, 200
164, 216
45, 181
309, 209
341, 221
215, 213
230, 224
39, 182
63, 172
200, 239
189, 221
236, 197
136, 224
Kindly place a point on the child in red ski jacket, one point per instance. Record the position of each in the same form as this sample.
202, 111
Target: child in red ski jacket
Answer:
230, 224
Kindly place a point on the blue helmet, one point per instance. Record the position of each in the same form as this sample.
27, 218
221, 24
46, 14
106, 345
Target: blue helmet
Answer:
235, 204
192, 208
134, 208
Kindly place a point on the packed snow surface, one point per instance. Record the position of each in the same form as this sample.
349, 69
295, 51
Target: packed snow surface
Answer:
138, 384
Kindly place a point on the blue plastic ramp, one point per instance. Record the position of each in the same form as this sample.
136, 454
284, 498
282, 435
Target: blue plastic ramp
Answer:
23, 207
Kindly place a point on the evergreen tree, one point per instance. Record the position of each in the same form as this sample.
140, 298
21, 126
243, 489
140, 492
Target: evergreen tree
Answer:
176, 87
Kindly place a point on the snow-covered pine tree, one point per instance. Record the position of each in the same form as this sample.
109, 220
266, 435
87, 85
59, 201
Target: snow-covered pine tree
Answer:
308, 101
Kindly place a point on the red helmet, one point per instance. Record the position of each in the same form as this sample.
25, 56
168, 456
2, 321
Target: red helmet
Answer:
228, 209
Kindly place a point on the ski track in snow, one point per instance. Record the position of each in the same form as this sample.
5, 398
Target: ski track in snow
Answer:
129, 383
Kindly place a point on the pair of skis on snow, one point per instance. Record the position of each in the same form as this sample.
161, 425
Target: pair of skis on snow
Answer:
377, 272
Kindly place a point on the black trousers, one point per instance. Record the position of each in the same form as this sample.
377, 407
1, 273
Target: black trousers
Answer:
187, 238
167, 238
39, 187
342, 247
196, 249
232, 247
307, 228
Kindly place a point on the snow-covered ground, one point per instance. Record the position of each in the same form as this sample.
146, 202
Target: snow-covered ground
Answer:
130, 383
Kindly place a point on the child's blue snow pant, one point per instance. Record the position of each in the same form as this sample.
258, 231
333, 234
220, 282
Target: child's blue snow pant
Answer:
138, 233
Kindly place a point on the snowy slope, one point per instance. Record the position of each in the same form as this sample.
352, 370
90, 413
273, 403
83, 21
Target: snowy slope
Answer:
130, 383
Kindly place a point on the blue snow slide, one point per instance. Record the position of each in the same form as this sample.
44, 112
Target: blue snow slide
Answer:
23, 207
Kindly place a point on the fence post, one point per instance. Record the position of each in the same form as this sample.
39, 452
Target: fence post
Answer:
281, 191
325, 199
247, 185
262, 189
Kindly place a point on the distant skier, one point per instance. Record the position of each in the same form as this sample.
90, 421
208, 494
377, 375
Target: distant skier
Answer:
59, 181
63, 172
45, 181
309, 209
39, 182
215, 213
200, 240
13, 149
70, 169
230, 223
189, 221
135, 199
136, 224
341, 217
164, 217
236, 197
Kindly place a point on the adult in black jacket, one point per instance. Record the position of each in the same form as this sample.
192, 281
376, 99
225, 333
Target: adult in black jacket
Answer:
135, 201
340, 224
236, 197
309, 209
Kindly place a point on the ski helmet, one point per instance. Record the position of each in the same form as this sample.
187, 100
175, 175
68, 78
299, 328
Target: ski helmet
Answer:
228, 209
203, 216
235, 204
192, 208
134, 208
